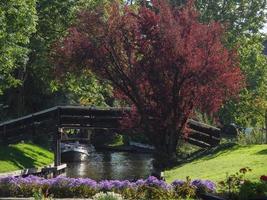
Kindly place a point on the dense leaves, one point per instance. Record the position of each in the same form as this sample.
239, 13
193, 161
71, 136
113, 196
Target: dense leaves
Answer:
250, 108
86, 89
18, 21
36, 89
241, 17
162, 60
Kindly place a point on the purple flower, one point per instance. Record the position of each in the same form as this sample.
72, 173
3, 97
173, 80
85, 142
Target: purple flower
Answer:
105, 185
140, 182
204, 183
177, 183
153, 181
64, 182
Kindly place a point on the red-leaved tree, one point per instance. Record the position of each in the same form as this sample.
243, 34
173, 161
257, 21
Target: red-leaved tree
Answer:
161, 59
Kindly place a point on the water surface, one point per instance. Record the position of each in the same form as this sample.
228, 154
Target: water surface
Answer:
112, 165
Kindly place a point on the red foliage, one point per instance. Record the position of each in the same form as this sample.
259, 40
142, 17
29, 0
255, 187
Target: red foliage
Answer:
263, 178
162, 60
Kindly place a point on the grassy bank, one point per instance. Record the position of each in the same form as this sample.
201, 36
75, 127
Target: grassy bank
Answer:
21, 156
217, 164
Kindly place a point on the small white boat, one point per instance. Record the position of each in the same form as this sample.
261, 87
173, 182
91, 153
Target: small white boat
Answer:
75, 152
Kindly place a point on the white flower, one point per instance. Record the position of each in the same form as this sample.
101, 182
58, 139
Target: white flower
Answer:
107, 196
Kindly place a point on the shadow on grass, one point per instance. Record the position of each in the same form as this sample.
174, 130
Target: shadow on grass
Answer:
16, 157
262, 152
36, 153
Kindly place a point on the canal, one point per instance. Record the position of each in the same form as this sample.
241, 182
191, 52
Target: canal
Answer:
112, 165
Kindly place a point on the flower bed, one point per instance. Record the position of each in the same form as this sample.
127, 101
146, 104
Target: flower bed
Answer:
62, 187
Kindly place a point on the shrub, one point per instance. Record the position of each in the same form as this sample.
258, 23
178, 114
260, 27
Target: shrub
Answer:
184, 189
257, 136
250, 190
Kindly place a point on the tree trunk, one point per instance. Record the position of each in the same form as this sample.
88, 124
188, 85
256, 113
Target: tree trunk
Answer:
166, 150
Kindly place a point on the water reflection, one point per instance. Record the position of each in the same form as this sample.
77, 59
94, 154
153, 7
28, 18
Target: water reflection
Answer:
112, 165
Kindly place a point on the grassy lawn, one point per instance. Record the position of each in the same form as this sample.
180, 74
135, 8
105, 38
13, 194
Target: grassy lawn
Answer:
21, 156
216, 165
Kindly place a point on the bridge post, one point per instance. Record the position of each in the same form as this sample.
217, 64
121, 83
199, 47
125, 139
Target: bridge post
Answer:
57, 142
57, 152
4, 139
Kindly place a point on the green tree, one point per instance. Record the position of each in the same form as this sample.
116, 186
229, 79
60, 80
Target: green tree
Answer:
35, 91
85, 89
18, 23
249, 109
240, 17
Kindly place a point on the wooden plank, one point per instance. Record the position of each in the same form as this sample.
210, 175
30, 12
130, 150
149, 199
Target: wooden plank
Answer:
93, 126
210, 143
54, 168
203, 137
23, 128
201, 127
29, 118
91, 111
197, 143
88, 120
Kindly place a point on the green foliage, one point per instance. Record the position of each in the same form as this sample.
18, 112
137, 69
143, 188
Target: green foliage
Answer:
146, 192
65, 191
54, 17
250, 190
86, 89
186, 190
18, 23
238, 187
117, 140
240, 17
257, 136
36, 90
34, 93
249, 109
40, 195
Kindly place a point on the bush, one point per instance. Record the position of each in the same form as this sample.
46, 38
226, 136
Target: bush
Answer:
250, 190
257, 136
237, 187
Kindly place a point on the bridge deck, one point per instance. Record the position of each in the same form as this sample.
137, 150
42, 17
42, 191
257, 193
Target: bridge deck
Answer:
81, 117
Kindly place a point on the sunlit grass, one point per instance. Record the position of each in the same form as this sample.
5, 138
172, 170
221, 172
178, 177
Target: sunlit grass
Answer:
227, 160
21, 156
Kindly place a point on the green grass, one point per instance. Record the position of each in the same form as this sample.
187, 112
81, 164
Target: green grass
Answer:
216, 165
22, 156
116, 142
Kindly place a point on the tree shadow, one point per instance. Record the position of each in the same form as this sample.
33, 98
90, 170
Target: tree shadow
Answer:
262, 152
16, 157
36, 153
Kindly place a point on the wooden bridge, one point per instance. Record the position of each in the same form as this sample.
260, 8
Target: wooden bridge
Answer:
80, 117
